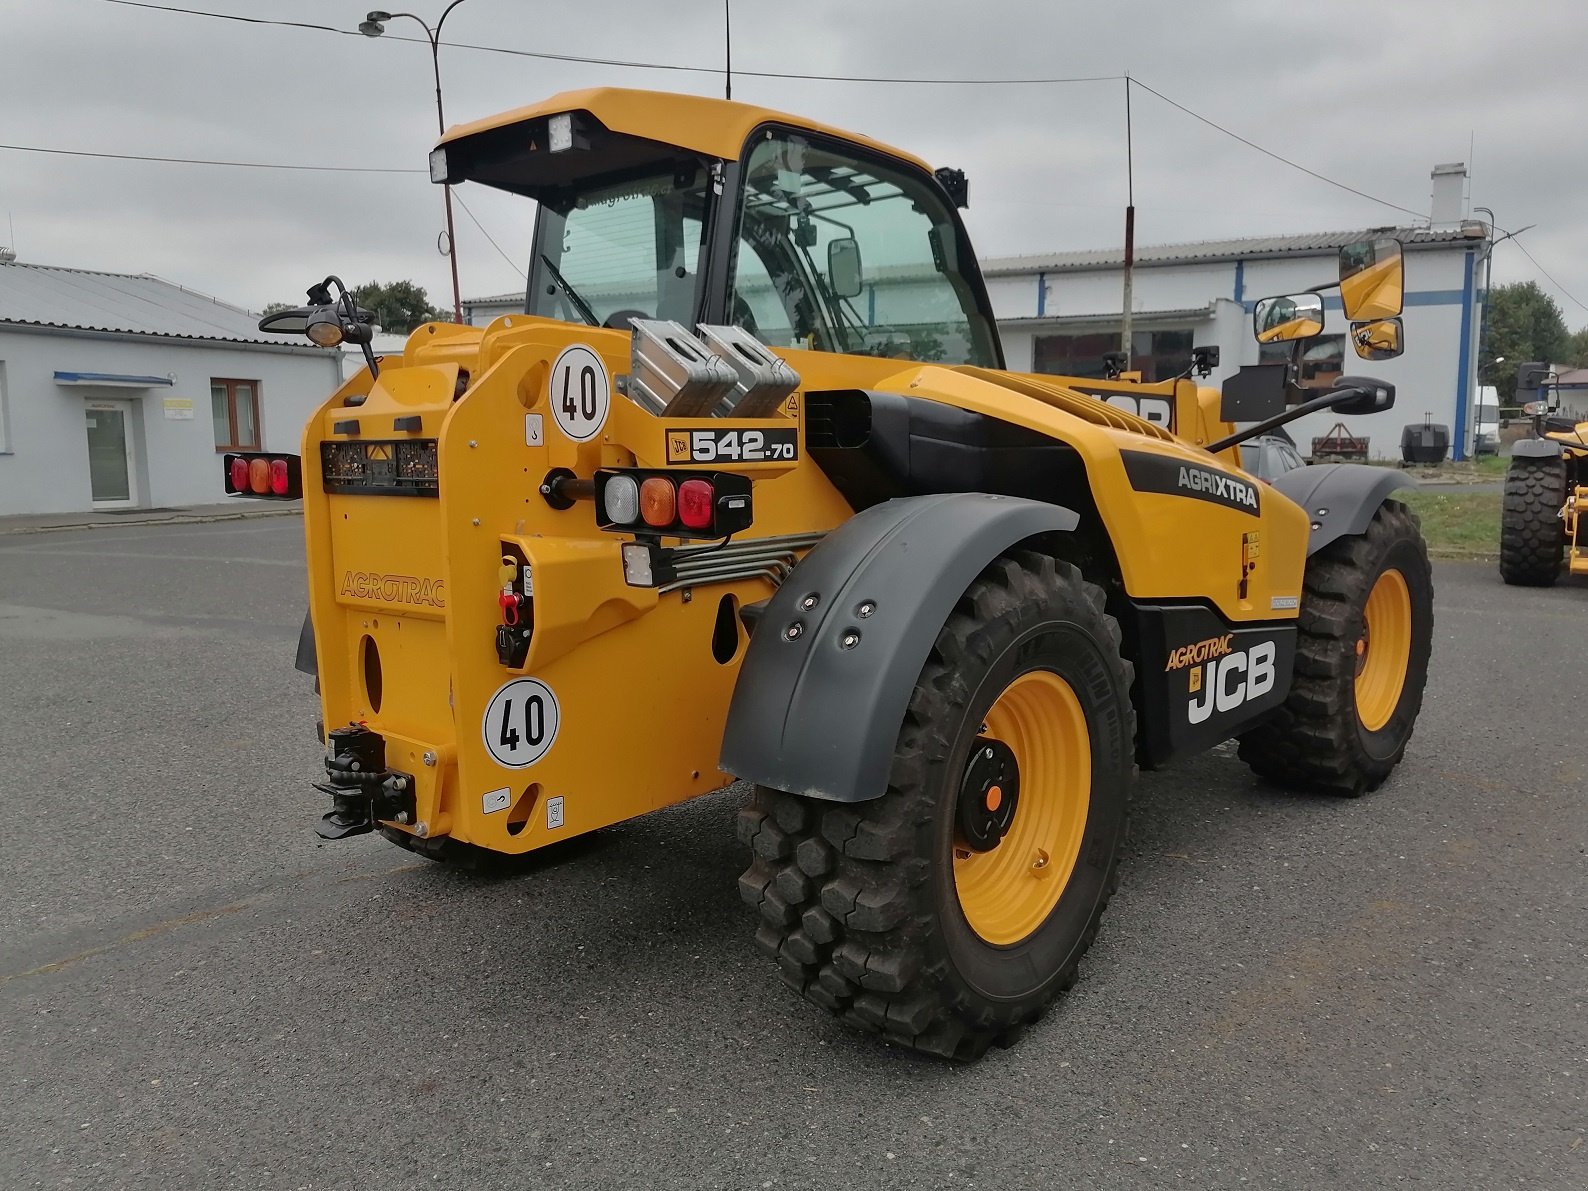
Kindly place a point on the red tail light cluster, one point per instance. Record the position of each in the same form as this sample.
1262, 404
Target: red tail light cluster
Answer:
673, 504
275, 477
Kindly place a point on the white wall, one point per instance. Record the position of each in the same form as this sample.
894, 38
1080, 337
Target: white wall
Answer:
174, 462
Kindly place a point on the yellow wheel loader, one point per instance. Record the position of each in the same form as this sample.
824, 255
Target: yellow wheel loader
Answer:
747, 492
1546, 491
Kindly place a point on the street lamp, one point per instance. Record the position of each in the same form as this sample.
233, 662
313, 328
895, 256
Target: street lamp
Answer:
373, 25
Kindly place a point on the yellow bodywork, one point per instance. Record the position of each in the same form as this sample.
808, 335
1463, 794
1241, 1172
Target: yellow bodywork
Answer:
641, 698
1573, 518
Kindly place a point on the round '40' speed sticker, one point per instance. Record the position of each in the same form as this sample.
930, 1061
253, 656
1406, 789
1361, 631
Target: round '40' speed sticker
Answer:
580, 393
520, 723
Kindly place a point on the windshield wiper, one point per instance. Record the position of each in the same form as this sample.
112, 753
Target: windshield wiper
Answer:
579, 303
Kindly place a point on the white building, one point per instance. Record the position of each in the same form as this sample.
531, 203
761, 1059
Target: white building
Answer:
120, 391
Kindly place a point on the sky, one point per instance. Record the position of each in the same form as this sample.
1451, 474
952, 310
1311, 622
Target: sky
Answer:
1369, 94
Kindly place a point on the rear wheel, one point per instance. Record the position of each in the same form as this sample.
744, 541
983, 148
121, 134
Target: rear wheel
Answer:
1362, 647
948, 913
1532, 542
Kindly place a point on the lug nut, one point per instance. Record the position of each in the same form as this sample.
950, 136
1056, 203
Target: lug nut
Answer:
792, 633
810, 601
850, 639
866, 609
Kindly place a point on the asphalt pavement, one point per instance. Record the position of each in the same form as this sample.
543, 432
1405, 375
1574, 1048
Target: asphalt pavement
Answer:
1287, 991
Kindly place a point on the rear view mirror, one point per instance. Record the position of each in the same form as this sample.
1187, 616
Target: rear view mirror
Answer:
843, 268
1280, 320
1379, 340
1532, 376
1372, 279
1360, 395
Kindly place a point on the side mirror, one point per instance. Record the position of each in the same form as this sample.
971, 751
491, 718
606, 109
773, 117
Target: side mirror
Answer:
1295, 316
1372, 279
1379, 340
1532, 376
843, 268
1361, 395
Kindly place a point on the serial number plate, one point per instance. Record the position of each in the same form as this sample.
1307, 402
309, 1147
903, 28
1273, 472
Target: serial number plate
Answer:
732, 446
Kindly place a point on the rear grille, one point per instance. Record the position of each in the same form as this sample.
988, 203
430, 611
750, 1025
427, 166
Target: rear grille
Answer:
388, 467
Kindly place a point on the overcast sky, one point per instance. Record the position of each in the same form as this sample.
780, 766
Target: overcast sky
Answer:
1372, 94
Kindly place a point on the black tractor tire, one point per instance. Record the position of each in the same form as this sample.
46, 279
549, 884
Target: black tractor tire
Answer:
1532, 542
858, 901
1317, 740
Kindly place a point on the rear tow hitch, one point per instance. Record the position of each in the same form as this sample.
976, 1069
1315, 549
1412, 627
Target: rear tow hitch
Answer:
363, 791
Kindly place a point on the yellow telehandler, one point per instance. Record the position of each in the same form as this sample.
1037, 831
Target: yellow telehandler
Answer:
747, 492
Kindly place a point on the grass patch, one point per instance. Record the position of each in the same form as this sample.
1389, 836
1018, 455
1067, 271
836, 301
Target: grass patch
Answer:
1457, 524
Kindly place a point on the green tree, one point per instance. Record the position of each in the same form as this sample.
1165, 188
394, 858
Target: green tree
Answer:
1521, 323
399, 306
275, 308
1576, 355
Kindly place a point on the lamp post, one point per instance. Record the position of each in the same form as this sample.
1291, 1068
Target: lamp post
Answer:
374, 25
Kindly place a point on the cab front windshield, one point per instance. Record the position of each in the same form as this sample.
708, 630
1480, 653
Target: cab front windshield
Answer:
621, 250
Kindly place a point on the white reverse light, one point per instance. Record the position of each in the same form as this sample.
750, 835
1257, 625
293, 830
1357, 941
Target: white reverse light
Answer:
622, 500
559, 132
637, 565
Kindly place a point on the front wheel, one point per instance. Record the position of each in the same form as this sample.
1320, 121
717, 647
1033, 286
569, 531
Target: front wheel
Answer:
1364, 637
948, 913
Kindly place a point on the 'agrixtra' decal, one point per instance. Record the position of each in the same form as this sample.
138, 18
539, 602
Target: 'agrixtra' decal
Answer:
1149, 472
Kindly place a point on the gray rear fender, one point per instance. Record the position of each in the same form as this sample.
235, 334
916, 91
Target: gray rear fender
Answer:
830, 668
1340, 498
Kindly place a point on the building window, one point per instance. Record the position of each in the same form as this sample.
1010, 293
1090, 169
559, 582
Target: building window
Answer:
1157, 355
1322, 359
235, 405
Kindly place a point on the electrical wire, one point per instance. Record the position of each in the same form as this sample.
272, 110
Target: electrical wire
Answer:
1547, 277
244, 165
1270, 153
629, 63
511, 263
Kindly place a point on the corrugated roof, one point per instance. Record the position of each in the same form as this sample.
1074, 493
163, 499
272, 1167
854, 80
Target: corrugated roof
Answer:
1307, 244
139, 304
496, 299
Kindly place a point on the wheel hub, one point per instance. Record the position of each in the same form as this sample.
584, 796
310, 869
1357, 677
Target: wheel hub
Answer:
988, 795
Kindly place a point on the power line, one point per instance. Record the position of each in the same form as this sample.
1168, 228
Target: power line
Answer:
1545, 271
629, 63
1276, 156
244, 165
511, 263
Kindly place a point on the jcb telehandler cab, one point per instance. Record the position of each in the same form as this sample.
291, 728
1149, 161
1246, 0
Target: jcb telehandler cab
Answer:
746, 492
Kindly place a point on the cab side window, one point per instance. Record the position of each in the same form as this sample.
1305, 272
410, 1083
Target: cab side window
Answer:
840, 253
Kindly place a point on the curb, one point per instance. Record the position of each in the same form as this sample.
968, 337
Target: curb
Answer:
180, 519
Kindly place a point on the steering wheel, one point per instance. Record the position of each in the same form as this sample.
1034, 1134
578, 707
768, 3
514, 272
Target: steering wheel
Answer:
619, 320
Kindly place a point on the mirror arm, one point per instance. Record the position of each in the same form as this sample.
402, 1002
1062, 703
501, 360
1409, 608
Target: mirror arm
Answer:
1324, 401
351, 312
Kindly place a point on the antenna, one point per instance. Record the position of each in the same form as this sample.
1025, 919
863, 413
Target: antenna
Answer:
727, 47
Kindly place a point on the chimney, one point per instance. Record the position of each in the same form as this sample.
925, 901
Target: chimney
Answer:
1449, 194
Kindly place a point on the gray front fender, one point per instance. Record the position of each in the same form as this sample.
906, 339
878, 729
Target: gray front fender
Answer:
823, 690
1340, 498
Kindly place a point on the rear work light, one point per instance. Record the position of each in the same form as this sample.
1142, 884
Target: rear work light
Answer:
673, 504
262, 474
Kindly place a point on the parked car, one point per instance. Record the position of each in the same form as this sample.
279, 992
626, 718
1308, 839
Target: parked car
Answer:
1486, 432
1269, 456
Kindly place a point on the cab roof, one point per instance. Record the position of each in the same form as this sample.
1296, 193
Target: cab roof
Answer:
715, 127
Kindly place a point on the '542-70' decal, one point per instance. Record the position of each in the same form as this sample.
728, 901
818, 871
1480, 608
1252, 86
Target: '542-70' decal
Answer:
733, 446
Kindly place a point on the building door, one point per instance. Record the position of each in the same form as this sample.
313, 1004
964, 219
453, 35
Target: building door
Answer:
110, 473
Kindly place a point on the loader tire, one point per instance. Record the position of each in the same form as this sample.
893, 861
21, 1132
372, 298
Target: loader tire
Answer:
1364, 636
1532, 543
886, 912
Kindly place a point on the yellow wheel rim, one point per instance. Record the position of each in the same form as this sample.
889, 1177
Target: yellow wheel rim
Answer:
1384, 650
1008, 892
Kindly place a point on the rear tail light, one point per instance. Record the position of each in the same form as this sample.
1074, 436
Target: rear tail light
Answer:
658, 502
697, 501
278, 477
674, 504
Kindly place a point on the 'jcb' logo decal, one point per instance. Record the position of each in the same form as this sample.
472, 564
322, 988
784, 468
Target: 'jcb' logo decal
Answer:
1225, 683
678, 448
378, 451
